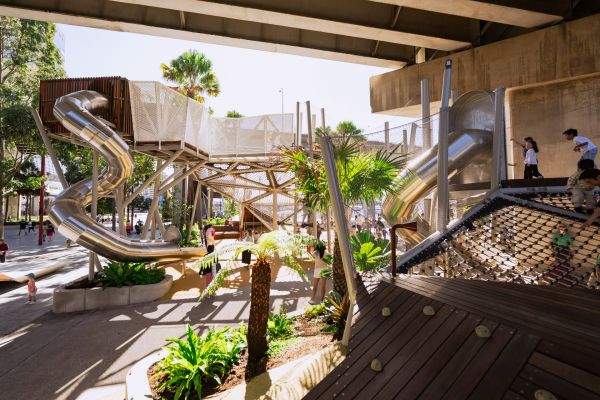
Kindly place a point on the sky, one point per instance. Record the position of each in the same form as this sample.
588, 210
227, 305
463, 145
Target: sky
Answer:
250, 80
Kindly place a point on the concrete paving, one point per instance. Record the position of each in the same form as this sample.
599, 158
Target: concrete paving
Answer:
86, 355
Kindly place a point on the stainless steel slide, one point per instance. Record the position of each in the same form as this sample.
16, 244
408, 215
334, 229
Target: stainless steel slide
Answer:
420, 176
67, 212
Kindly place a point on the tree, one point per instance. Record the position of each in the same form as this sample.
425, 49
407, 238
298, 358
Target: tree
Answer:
27, 54
364, 177
233, 114
192, 72
347, 128
27, 182
281, 243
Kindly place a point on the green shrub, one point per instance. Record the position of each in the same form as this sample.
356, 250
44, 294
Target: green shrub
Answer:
370, 254
119, 274
312, 312
200, 360
194, 241
215, 221
337, 312
279, 325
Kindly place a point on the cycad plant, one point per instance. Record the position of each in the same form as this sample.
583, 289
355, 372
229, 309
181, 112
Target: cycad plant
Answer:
193, 74
364, 176
370, 253
277, 243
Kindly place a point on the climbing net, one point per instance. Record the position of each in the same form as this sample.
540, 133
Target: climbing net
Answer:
515, 241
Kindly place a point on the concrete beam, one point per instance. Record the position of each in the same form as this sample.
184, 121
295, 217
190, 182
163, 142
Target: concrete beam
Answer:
558, 52
302, 22
480, 10
121, 26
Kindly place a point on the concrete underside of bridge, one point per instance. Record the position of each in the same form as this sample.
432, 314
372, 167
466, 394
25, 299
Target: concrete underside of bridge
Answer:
553, 81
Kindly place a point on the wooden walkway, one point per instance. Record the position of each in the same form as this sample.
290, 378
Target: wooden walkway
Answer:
541, 339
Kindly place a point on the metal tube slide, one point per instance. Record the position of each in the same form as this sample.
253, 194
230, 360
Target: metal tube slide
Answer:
420, 176
67, 212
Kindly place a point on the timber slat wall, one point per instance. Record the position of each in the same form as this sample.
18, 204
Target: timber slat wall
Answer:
115, 88
541, 339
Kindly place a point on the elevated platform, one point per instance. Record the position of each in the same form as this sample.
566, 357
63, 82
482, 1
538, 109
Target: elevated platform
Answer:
540, 340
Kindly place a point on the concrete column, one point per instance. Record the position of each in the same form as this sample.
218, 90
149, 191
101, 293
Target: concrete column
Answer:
92, 255
413, 138
498, 143
425, 114
311, 119
405, 148
387, 135
442, 179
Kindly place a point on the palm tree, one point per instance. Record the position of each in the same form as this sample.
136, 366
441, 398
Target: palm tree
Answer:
276, 243
364, 177
347, 128
233, 114
192, 72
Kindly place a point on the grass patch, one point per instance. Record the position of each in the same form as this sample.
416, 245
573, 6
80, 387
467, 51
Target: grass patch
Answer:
278, 346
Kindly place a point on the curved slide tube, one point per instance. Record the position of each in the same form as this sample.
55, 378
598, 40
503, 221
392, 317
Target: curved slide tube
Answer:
67, 212
420, 176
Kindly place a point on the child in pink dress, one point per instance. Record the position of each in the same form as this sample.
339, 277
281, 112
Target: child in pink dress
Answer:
31, 289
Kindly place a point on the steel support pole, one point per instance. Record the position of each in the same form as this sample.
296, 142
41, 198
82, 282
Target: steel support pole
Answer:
311, 121
41, 207
425, 114
153, 206
387, 135
92, 255
341, 224
49, 148
298, 142
209, 208
499, 143
193, 216
442, 179
413, 138
275, 216
405, 141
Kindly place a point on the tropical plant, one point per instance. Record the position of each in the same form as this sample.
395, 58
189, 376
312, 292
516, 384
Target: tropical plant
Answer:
231, 208
318, 310
279, 325
200, 360
337, 312
370, 253
192, 72
28, 54
347, 128
269, 245
364, 177
215, 221
195, 240
118, 274
233, 114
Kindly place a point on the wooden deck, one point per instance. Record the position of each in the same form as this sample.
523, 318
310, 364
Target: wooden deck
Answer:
542, 338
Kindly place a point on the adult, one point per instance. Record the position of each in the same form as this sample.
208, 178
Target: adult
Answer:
592, 178
22, 227
3, 250
319, 254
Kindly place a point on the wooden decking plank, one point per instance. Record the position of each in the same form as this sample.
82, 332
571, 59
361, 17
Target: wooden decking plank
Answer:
410, 320
452, 370
504, 312
567, 372
554, 384
379, 322
510, 395
500, 375
424, 367
583, 358
487, 355
524, 388
369, 302
395, 355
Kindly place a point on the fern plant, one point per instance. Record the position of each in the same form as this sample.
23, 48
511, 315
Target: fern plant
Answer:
199, 360
279, 325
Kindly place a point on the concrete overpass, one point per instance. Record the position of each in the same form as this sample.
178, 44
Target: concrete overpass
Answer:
385, 33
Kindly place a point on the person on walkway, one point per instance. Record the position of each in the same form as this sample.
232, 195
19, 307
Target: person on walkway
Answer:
3, 250
381, 227
209, 236
531, 163
246, 254
23, 227
581, 190
50, 231
360, 221
31, 226
592, 178
562, 241
44, 230
31, 289
583, 145
321, 257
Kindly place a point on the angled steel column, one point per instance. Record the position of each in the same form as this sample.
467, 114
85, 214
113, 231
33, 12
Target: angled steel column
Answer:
92, 258
442, 179
341, 225
49, 148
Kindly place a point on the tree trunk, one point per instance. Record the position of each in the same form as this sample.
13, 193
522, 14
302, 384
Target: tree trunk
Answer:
6, 207
259, 315
2, 144
339, 278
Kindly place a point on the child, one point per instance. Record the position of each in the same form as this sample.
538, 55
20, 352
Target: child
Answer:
531, 164
50, 232
592, 178
31, 289
3, 250
582, 144
562, 241
321, 263
580, 189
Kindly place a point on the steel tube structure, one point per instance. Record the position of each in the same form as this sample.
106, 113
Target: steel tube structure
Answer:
67, 212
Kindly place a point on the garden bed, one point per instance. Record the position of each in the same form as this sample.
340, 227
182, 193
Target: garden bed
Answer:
308, 338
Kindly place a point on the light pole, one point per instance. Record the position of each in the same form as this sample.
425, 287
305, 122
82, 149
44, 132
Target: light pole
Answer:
281, 91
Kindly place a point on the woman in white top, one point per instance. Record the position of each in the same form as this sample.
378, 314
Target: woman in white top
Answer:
531, 163
319, 253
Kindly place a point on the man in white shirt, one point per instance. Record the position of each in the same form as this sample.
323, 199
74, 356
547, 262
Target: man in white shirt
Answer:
582, 144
